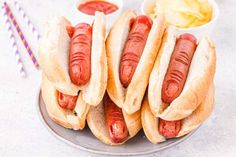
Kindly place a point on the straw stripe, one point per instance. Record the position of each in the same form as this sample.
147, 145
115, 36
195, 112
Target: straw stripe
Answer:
27, 20
20, 33
14, 46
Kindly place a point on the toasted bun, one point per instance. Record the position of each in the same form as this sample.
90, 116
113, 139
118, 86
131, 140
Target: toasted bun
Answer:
97, 124
65, 118
200, 76
150, 122
54, 59
132, 96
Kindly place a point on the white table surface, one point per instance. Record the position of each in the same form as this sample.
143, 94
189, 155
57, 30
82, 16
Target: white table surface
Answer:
23, 134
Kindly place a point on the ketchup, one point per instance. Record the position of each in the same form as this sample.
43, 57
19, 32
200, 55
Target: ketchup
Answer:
91, 7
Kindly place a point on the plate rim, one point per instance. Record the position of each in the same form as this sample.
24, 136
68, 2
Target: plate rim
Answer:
89, 150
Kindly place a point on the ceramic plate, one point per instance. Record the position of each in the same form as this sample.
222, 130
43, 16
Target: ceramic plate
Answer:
84, 140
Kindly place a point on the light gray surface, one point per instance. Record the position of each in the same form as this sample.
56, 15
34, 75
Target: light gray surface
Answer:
23, 134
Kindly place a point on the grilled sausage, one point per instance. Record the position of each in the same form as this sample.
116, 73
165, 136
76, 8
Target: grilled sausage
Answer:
67, 101
134, 48
80, 54
169, 129
115, 122
177, 72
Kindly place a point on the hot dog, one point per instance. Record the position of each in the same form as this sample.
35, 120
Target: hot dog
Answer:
158, 130
115, 122
80, 54
177, 72
134, 47
175, 78
67, 101
180, 93
74, 65
110, 124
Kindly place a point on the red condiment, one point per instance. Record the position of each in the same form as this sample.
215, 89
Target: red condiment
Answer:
91, 7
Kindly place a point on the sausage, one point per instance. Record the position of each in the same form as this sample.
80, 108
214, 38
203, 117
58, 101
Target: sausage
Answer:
134, 47
67, 101
80, 54
169, 129
177, 71
70, 31
115, 122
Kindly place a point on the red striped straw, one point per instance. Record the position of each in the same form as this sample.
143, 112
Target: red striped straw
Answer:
23, 39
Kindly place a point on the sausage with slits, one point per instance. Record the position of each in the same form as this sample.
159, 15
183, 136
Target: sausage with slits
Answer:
80, 54
175, 78
169, 129
67, 101
134, 48
115, 121
177, 72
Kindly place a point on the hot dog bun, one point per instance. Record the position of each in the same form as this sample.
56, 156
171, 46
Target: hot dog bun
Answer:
53, 55
150, 122
54, 59
97, 124
130, 98
66, 118
200, 76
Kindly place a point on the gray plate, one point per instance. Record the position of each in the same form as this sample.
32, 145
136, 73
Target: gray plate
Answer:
84, 140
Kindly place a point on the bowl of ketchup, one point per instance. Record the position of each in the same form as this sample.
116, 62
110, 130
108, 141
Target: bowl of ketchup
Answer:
111, 8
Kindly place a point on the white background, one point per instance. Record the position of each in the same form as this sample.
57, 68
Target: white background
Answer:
23, 134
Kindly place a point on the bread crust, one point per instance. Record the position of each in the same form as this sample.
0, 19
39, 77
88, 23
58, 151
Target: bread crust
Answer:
200, 76
150, 122
114, 46
95, 90
130, 98
54, 55
63, 117
54, 59
97, 124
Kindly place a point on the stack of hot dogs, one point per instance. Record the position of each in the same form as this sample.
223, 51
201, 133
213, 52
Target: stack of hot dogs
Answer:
142, 76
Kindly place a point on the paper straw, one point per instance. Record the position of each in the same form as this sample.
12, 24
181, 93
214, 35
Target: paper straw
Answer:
22, 37
27, 20
14, 46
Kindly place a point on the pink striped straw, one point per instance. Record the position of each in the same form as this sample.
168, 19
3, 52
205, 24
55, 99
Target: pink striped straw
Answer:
23, 39
27, 20
14, 46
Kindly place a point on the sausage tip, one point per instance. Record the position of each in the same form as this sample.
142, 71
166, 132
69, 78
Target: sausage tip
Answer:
118, 132
126, 75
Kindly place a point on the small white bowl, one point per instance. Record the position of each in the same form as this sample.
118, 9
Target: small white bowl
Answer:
200, 31
110, 18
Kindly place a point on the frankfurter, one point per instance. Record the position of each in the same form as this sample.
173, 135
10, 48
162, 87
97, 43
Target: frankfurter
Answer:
169, 129
67, 101
132, 46
178, 68
112, 125
115, 121
181, 76
158, 130
74, 65
80, 54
